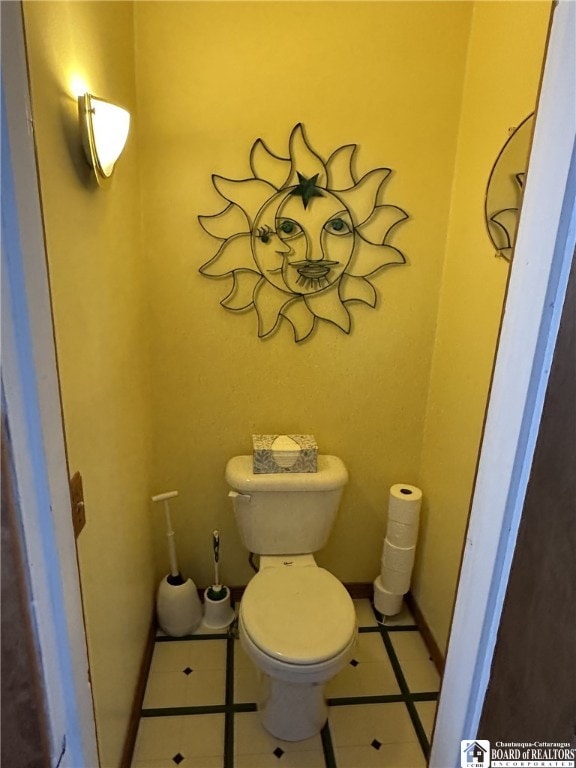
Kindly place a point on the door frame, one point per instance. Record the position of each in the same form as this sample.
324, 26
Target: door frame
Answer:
543, 255
32, 400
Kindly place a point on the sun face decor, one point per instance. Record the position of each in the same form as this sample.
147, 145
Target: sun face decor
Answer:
302, 237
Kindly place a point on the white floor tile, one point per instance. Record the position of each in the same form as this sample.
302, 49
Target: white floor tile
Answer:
192, 736
201, 687
368, 674
206, 761
377, 679
417, 666
241, 658
345, 683
404, 618
408, 645
426, 712
364, 613
158, 738
370, 647
407, 755
246, 677
251, 738
290, 760
365, 679
196, 654
202, 736
246, 686
361, 724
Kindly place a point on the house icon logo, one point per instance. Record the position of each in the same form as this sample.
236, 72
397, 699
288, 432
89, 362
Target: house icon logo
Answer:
475, 753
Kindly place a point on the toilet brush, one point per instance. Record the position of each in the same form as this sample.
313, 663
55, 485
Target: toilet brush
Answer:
178, 606
216, 591
218, 613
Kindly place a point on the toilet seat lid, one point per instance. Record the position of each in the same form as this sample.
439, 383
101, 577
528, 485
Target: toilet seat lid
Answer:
299, 615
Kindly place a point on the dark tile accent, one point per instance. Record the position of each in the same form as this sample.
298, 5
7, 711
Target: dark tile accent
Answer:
209, 709
327, 747
408, 699
425, 696
230, 708
278, 752
354, 663
376, 744
389, 698
178, 758
189, 638
187, 671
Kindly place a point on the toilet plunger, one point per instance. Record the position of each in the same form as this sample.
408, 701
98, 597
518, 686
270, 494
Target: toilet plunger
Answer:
178, 606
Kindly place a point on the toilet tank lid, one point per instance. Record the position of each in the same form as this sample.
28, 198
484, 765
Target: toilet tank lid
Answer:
331, 475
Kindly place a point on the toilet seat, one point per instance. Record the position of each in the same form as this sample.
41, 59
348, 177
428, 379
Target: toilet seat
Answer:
299, 616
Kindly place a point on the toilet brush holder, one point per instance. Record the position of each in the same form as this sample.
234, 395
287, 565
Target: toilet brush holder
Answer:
218, 613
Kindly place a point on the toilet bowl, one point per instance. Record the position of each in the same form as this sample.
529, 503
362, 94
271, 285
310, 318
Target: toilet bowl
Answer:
297, 623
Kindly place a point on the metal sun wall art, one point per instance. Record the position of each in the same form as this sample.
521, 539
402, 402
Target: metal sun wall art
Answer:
505, 189
301, 238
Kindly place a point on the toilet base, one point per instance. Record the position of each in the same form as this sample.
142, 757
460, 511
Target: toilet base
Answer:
291, 711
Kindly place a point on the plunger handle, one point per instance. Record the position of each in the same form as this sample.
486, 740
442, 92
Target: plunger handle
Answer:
169, 532
171, 546
165, 496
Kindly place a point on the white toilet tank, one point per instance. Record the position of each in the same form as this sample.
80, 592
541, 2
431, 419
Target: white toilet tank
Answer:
286, 513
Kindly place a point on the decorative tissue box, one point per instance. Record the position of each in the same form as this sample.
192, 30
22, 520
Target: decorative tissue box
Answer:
284, 453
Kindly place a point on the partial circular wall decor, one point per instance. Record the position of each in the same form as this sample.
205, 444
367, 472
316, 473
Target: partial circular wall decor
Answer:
505, 189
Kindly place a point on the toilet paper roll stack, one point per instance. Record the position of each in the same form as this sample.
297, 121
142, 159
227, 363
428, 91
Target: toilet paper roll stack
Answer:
399, 548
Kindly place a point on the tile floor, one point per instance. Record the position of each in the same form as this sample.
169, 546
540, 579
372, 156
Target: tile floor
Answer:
199, 709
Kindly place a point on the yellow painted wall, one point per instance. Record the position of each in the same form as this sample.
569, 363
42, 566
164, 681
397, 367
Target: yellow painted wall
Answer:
212, 78
96, 269
505, 55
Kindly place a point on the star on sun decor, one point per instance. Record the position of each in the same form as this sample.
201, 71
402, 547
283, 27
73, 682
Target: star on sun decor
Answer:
301, 237
306, 189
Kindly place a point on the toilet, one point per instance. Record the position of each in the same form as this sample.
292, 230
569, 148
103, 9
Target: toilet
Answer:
297, 622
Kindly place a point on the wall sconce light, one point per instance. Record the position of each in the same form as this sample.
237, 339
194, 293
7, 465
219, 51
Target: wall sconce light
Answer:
104, 129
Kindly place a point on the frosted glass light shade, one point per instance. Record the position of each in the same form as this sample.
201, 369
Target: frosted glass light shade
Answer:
104, 128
